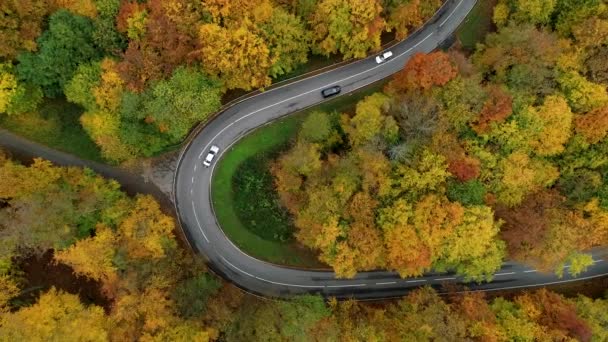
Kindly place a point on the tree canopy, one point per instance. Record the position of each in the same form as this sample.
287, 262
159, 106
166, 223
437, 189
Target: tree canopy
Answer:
453, 170
61, 49
125, 62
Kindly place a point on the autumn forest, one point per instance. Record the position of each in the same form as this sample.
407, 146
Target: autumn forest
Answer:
466, 158
461, 162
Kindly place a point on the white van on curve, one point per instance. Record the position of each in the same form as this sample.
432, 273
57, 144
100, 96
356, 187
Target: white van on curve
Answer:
384, 56
212, 152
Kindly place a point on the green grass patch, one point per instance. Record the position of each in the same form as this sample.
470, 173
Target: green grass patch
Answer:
231, 211
477, 25
56, 124
245, 202
265, 217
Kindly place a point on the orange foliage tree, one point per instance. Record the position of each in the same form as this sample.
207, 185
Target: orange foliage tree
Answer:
20, 24
159, 42
545, 232
423, 71
593, 125
465, 168
497, 108
555, 313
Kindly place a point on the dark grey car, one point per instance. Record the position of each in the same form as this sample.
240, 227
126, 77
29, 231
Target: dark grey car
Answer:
335, 90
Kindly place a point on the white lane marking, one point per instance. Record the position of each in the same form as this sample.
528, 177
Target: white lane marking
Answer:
224, 234
387, 283
195, 165
238, 269
310, 91
277, 283
411, 281
347, 285
288, 83
567, 266
192, 179
451, 14
228, 148
596, 261
408, 50
536, 285
381, 283
198, 223
269, 106
191, 191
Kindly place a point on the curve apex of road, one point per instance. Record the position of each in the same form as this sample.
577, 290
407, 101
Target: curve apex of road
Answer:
192, 185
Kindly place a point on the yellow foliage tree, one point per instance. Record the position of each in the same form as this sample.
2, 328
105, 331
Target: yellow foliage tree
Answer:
415, 237
592, 32
16, 97
501, 13
146, 231
142, 315
594, 231
348, 27
55, 317
367, 241
99, 88
406, 252
8, 290
582, 94
521, 176
404, 17
473, 249
555, 123
104, 128
8, 88
345, 260
233, 12
329, 234
534, 11
219, 8
435, 218
19, 180
86, 8
426, 175
186, 331
237, 55
93, 256
376, 170
108, 93
369, 120
304, 158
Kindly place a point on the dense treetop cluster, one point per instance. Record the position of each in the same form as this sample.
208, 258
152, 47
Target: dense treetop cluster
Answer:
462, 162
145, 72
125, 244
457, 164
157, 292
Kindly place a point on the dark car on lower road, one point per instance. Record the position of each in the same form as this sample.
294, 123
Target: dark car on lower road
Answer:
335, 90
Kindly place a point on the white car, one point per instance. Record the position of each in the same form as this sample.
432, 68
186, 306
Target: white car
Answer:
383, 57
212, 152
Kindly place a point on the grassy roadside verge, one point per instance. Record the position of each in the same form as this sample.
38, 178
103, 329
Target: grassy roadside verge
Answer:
477, 25
260, 147
56, 124
263, 141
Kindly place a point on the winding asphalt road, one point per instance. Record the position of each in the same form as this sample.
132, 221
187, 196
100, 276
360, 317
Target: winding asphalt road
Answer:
192, 185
